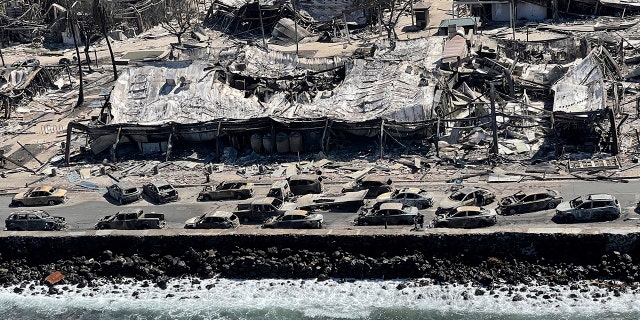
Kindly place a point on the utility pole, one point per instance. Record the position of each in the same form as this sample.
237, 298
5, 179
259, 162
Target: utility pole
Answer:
295, 22
264, 42
71, 23
1, 45
494, 125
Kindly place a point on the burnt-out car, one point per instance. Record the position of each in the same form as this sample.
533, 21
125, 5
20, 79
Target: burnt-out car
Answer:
295, 219
522, 202
466, 217
213, 220
409, 196
375, 185
161, 191
591, 207
389, 213
467, 196
280, 190
227, 190
132, 219
305, 184
39, 196
34, 220
124, 192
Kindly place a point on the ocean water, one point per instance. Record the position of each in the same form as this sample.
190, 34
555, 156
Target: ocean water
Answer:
299, 299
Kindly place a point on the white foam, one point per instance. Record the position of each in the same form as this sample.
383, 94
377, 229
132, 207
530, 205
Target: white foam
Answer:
358, 299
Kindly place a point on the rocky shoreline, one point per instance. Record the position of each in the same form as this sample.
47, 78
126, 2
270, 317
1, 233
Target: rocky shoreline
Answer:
615, 270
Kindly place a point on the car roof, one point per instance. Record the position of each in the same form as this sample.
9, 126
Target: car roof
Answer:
296, 213
468, 208
26, 211
160, 182
43, 188
279, 184
221, 214
265, 200
125, 184
469, 189
391, 206
600, 196
130, 210
303, 177
410, 189
376, 178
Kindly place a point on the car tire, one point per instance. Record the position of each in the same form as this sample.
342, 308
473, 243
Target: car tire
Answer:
442, 225
18, 204
569, 219
513, 211
245, 220
51, 202
551, 205
239, 196
120, 201
206, 197
483, 224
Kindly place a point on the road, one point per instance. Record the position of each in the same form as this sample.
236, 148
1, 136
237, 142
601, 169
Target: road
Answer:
85, 208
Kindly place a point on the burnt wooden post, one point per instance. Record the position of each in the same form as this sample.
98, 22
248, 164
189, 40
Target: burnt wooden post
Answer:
381, 138
218, 141
494, 125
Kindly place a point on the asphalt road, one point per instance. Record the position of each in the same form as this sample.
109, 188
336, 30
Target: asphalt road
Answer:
85, 208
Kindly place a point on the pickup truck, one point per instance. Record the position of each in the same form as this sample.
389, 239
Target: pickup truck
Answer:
132, 219
227, 190
261, 209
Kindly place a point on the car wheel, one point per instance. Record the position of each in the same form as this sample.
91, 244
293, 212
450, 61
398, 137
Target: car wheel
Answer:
569, 219
442, 225
483, 224
239, 196
206, 198
51, 202
245, 220
120, 201
551, 205
513, 211
18, 204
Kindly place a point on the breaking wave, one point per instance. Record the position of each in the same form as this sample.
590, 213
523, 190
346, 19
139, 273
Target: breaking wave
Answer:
300, 299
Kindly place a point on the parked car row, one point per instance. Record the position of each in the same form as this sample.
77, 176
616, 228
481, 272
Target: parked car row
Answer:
464, 207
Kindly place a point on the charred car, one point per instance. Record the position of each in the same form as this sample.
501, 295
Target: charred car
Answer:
375, 185
408, 196
132, 219
34, 220
161, 191
39, 196
213, 220
280, 190
305, 184
466, 217
467, 196
592, 207
522, 202
227, 190
389, 213
124, 192
295, 219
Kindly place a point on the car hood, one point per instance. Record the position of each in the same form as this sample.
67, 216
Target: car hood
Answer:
192, 220
449, 204
384, 196
60, 193
349, 185
564, 206
288, 206
19, 196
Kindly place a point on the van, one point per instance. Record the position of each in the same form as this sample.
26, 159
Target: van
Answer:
280, 190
